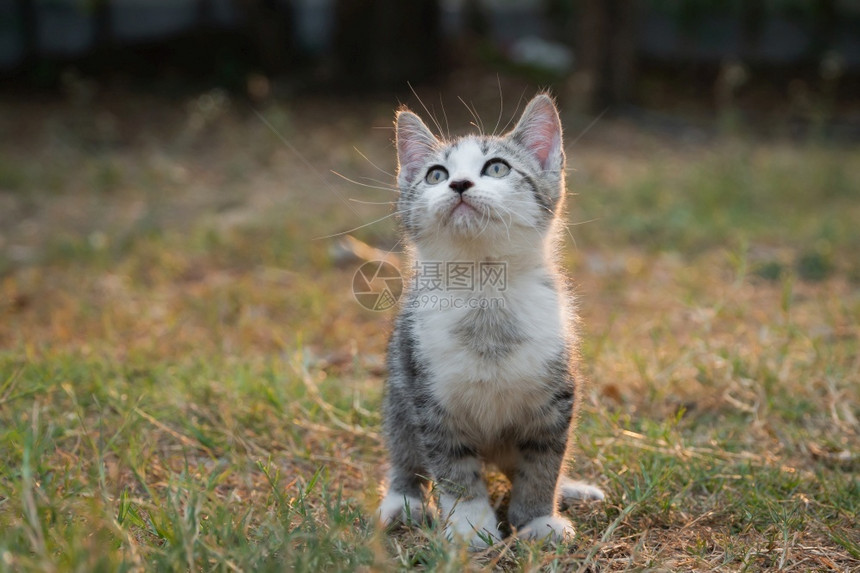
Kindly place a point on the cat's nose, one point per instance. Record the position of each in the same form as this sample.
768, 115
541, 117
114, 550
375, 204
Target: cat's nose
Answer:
460, 185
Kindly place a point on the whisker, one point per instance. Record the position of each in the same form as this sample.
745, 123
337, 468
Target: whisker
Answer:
373, 202
550, 211
354, 182
436, 123
485, 225
501, 104
378, 168
474, 115
380, 182
391, 250
528, 202
578, 223
588, 127
537, 232
359, 227
499, 207
567, 227
445, 115
303, 159
572, 238
516, 111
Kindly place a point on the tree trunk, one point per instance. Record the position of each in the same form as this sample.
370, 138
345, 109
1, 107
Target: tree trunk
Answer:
607, 51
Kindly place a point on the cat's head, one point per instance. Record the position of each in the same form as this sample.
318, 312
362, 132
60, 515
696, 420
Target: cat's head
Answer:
481, 189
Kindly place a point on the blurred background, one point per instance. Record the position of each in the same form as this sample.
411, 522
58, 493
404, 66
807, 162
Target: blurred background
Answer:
213, 122
187, 188
792, 59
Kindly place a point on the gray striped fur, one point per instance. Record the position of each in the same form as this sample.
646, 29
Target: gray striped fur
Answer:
437, 428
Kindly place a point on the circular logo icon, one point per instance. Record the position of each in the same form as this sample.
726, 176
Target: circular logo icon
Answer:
377, 285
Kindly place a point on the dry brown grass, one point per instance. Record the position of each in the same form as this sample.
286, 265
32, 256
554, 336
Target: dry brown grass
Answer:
180, 356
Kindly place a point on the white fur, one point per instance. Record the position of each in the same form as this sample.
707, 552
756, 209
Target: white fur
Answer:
502, 214
401, 508
554, 527
496, 219
573, 490
494, 392
491, 393
473, 520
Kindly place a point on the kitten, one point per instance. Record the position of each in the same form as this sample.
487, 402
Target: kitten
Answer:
484, 372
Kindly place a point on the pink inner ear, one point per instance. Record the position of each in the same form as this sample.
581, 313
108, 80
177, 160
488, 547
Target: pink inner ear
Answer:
415, 143
545, 140
540, 131
411, 153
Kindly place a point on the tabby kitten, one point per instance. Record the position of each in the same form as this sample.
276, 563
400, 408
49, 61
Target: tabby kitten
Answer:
484, 373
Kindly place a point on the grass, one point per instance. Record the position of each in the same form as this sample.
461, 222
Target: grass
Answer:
187, 383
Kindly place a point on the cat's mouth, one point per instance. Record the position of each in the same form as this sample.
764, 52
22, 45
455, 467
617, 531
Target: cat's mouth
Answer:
466, 213
463, 207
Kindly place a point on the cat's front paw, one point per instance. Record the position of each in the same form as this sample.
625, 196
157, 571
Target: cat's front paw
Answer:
553, 527
400, 508
473, 521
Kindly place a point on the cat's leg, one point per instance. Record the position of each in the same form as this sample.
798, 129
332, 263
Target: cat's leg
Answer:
404, 500
407, 479
541, 449
534, 497
463, 499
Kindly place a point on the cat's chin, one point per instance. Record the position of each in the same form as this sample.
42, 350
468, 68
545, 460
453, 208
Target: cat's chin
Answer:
468, 227
464, 209
466, 220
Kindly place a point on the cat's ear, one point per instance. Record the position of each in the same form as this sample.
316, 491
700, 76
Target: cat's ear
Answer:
415, 144
539, 131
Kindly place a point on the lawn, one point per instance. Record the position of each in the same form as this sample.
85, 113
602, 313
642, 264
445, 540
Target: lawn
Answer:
186, 382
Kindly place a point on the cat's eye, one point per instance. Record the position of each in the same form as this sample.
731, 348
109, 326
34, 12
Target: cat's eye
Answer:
496, 168
436, 175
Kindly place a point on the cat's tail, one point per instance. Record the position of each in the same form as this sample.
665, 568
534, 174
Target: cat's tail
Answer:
572, 490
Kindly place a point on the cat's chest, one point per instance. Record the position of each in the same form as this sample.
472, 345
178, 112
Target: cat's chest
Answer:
488, 360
